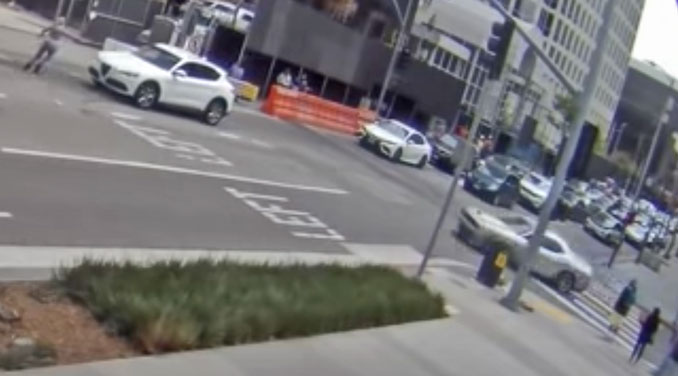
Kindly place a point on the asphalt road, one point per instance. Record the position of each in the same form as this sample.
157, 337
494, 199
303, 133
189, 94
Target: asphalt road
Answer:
84, 167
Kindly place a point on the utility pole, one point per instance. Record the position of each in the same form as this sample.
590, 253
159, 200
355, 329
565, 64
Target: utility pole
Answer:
617, 135
59, 10
492, 85
400, 40
584, 99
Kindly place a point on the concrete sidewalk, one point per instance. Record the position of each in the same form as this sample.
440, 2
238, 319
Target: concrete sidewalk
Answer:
483, 339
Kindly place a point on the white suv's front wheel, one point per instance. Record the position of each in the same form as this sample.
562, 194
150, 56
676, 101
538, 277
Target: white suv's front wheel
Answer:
147, 95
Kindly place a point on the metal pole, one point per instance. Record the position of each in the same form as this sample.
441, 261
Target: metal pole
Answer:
653, 146
394, 56
584, 100
482, 103
614, 137
59, 10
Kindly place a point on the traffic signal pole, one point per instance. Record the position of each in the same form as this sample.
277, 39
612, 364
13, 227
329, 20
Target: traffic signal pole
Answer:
584, 99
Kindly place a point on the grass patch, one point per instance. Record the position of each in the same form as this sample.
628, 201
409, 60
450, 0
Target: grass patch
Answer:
171, 306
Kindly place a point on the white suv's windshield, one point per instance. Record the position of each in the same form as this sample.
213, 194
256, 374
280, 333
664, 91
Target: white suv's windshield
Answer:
158, 57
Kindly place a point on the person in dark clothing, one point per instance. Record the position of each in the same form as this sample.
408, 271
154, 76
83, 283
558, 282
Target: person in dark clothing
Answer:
626, 300
50, 44
646, 335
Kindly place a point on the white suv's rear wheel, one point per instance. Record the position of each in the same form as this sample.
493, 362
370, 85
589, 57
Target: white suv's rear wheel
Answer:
215, 111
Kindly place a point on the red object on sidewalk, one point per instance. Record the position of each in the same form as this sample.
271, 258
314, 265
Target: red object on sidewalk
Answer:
309, 109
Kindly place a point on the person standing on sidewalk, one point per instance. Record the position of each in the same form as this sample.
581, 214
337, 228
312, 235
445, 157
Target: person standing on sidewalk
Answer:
50, 44
646, 335
626, 300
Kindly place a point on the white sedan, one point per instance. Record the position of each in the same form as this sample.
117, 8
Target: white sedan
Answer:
534, 189
168, 75
397, 141
555, 261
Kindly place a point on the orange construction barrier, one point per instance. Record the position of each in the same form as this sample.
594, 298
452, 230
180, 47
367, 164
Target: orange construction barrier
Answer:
309, 109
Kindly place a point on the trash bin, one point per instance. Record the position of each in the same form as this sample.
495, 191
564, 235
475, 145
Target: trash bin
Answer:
493, 265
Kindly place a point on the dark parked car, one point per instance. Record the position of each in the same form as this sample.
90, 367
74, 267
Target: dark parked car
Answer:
448, 151
494, 182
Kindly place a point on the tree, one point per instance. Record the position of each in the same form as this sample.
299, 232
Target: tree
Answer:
567, 107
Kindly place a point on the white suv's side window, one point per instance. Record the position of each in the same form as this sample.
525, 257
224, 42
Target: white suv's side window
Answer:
200, 71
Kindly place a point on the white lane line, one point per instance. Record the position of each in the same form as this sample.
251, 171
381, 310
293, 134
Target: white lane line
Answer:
262, 144
185, 156
58, 102
6, 215
230, 136
125, 116
178, 170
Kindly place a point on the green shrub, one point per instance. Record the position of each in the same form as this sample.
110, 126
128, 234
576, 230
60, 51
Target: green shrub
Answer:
172, 306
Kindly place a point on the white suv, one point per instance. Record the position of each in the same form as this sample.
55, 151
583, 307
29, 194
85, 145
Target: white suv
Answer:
168, 75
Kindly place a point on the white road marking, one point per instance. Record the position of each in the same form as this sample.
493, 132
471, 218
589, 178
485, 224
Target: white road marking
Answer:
286, 217
185, 156
163, 140
6, 215
262, 144
217, 161
58, 102
178, 170
230, 136
3, 96
125, 116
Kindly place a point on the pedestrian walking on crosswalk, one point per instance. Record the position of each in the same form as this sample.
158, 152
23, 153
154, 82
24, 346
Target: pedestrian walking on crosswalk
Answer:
626, 300
646, 335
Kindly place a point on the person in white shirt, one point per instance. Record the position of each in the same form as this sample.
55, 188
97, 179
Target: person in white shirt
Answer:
284, 79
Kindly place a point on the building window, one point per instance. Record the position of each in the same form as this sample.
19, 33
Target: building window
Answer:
438, 57
551, 52
476, 76
446, 60
556, 34
553, 4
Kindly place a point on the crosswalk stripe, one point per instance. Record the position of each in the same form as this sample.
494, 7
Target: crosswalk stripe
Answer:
624, 334
631, 319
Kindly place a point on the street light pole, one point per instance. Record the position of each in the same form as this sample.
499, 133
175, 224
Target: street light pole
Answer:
485, 97
584, 99
400, 40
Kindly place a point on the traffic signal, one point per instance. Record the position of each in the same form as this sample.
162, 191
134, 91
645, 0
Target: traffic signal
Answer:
498, 46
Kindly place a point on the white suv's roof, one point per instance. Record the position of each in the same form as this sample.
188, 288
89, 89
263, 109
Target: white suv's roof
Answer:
180, 52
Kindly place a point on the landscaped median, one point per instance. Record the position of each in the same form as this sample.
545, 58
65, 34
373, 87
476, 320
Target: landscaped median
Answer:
173, 305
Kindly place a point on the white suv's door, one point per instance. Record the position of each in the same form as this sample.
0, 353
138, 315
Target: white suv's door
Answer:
194, 85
